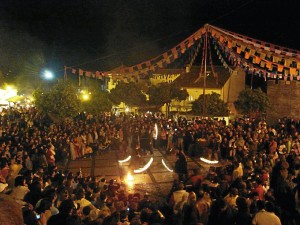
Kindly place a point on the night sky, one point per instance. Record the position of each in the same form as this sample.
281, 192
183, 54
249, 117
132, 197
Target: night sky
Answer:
103, 34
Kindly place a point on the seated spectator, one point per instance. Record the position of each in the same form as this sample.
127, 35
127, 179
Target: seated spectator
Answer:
10, 211
66, 210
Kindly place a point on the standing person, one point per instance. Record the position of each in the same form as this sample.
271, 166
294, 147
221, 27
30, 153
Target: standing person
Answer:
190, 215
284, 195
66, 210
243, 216
163, 139
203, 206
188, 139
50, 155
180, 139
72, 149
178, 198
135, 143
170, 140
266, 216
181, 166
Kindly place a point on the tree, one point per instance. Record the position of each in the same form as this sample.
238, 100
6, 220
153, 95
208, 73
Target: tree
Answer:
60, 100
129, 93
214, 105
250, 102
98, 102
164, 93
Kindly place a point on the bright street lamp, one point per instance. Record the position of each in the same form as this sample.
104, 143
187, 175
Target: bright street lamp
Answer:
48, 75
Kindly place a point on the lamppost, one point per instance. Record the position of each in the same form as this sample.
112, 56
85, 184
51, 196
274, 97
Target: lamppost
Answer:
204, 76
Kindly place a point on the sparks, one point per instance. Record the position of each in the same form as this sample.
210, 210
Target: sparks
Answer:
163, 162
140, 170
125, 160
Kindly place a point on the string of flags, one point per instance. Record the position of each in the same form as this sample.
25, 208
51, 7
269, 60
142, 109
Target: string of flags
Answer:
254, 56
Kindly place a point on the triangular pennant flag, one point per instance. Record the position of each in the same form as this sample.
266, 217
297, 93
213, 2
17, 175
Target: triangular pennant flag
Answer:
286, 72
277, 51
269, 65
191, 41
175, 53
229, 44
97, 75
148, 63
287, 63
262, 64
247, 55
293, 71
165, 55
221, 39
262, 55
280, 68
88, 73
73, 71
160, 64
80, 71
275, 59
252, 51
257, 59
182, 48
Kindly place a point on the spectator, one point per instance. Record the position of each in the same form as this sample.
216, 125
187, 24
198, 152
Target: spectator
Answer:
266, 216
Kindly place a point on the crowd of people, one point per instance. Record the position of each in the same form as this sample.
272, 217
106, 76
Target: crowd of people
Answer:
256, 179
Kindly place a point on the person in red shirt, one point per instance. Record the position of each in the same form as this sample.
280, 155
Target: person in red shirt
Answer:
259, 189
50, 155
272, 146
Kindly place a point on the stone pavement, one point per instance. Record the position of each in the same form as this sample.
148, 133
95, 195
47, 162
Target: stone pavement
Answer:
157, 180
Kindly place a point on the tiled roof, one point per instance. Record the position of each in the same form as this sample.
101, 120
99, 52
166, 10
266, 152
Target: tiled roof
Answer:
187, 80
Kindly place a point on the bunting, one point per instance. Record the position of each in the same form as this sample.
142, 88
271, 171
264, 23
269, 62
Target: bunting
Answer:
254, 56
279, 60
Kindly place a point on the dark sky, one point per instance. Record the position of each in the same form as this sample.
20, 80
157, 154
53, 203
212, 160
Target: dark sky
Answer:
102, 34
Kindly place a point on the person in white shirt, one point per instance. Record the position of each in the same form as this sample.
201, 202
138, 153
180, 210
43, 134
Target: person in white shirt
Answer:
179, 198
266, 216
